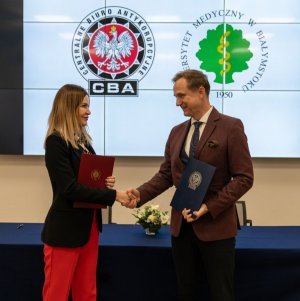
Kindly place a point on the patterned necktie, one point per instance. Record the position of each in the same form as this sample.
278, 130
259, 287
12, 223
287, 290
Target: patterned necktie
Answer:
195, 138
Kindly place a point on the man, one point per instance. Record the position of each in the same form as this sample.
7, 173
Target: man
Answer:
203, 240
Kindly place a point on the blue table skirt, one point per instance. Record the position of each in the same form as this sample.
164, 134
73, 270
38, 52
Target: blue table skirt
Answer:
256, 237
134, 266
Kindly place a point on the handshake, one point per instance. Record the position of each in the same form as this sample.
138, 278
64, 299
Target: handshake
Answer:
128, 198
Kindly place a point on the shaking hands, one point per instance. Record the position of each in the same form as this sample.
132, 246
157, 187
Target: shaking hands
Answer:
128, 198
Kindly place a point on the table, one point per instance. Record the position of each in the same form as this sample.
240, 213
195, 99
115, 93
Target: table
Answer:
133, 266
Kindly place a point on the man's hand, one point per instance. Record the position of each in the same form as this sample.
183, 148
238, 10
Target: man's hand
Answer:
193, 216
134, 195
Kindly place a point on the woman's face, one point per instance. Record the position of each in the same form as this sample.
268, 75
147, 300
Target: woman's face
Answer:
84, 111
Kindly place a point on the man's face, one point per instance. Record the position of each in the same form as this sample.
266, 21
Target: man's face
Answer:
190, 101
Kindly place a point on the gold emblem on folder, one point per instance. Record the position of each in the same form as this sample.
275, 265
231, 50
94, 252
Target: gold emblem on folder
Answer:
95, 175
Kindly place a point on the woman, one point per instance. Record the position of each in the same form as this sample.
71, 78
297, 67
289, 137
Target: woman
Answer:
71, 235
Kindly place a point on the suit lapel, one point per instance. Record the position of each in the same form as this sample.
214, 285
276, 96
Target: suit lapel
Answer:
180, 143
209, 128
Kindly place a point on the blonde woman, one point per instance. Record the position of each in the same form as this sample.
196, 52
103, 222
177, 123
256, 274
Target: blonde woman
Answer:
71, 235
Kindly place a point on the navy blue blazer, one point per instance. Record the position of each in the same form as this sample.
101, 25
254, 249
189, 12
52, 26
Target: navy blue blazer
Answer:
64, 225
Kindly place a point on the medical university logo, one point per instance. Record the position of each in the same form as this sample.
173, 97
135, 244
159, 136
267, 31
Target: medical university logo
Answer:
113, 49
236, 52
224, 52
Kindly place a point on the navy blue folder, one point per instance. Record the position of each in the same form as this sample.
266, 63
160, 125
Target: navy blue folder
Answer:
193, 185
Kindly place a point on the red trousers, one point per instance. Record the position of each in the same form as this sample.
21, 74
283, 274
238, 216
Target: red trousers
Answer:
72, 268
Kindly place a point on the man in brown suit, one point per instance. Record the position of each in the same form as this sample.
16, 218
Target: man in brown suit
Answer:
203, 240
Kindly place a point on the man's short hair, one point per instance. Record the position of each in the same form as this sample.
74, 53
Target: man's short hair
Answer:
195, 79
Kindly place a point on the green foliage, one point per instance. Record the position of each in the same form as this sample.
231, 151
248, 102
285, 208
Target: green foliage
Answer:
224, 52
150, 217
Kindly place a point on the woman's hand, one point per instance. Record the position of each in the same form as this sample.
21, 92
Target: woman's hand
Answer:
125, 200
110, 181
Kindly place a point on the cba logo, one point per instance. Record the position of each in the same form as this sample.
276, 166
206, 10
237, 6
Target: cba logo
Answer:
113, 48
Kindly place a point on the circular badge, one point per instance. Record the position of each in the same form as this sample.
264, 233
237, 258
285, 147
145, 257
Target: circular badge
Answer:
195, 180
95, 175
113, 43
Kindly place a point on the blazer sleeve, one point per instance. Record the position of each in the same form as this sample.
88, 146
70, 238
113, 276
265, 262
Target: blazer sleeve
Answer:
239, 170
64, 178
160, 182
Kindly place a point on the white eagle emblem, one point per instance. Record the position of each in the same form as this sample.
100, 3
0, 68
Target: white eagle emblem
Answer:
113, 51
195, 180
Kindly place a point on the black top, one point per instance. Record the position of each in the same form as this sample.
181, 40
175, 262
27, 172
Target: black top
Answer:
66, 226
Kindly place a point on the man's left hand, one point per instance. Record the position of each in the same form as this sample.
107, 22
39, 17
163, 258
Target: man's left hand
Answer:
193, 216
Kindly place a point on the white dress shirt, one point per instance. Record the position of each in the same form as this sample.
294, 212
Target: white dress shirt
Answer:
203, 121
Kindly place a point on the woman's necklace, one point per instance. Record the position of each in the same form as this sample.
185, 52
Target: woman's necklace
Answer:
85, 149
81, 142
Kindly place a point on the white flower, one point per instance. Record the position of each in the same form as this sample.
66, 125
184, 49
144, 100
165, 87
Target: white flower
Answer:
154, 207
151, 217
164, 219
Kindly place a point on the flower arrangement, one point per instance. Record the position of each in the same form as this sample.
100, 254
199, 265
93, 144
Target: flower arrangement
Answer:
151, 218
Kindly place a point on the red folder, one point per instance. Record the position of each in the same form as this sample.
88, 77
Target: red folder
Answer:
93, 171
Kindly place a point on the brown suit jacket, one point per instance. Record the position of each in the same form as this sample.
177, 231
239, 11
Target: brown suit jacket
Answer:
224, 145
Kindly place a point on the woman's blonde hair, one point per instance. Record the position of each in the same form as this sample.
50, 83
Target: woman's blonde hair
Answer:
64, 115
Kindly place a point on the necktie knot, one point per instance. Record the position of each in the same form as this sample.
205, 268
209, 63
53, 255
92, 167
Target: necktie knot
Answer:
197, 124
195, 138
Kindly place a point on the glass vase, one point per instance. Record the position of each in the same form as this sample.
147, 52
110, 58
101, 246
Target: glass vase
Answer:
152, 230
